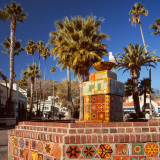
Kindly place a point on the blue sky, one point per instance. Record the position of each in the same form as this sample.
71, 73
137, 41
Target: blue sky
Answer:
43, 13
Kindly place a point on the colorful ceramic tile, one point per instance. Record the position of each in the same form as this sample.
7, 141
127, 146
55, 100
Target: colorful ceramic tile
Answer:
34, 144
27, 143
10, 150
152, 158
94, 116
11, 140
104, 151
101, 107
15, 151
120, 157
73, 152
137, 157
87, 116
101, 116
120, 149
34, 155
94, 99
94, 107
21, 152
15, 141
21, 143
48, 148
57, 150
101, 98
48, 158
27, 154
10, 157
151, 149
137, 149
89, 151
40, 146
87, 99
40, 156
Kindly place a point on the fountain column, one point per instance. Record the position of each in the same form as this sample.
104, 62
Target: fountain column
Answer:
103, 95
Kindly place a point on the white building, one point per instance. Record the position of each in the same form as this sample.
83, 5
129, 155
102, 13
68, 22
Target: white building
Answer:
19, 98
128, 105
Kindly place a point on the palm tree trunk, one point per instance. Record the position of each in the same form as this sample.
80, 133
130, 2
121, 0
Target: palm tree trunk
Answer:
44, 84
12, 37
150, 105
135, 96
87, 74
81, 112
69, 104
53, 100
33, 58
40, 82
144, 100
31, 100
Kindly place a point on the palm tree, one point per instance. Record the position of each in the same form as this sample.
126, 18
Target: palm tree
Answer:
144, 88
78, 43
31, 48
32, 73
156, 27
22, 82
129, 88
133, 58
53, 70
45, 54
15, 13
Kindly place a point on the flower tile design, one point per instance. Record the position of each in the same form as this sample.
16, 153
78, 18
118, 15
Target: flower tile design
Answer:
26, 143
120, 157
138, 158
21, 143
105, 151
10, 157
73, 152
21, 153
151, 149
15, 151
137, 149
11, 140
120, 149
34, 145
15, 141
40, 146
11, 150
48, 148
57, 150
40, 156
34, 155
89, 151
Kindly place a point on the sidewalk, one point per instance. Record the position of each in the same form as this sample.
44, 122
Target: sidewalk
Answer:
3, 152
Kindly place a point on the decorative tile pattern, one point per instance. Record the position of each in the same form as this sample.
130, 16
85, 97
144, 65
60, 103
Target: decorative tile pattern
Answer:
34, 155
21, 143
138, 158
121, 149
89, 151
104, 151
73, 152
40, 146
11, 150
120, 157
27, 143
48, 148
40, 156
15, 151
27, 154
137, 149
15, 141
151, 149
21, 153
11, 140
34, 145
48, 158
57, 150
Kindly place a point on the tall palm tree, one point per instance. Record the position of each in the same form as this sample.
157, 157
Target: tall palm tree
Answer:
53, 70
22, 82
80, 43
32, 73
133, 58
31, 48
144, 88
15, 13
45, 54
137, 10
129, 88
156, 27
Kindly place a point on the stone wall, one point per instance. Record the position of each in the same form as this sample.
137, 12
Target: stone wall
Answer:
64, 141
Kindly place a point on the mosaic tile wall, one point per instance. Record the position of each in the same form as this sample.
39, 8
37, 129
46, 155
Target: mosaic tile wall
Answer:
112, 151
103, 98
103, 108
29, 149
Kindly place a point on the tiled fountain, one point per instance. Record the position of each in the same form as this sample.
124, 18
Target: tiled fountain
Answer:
102, 134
